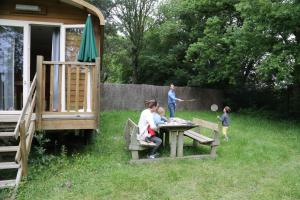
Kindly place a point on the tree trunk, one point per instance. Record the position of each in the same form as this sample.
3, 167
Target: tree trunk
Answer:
135, 66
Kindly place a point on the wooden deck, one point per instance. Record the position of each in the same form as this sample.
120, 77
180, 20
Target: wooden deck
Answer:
78, 99
78, 95
66, 120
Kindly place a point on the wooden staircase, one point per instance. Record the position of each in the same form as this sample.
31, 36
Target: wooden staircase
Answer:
16, 134
8, 124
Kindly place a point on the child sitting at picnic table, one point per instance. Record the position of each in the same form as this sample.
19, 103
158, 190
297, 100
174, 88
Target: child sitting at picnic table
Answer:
159, 116
147, 127
225, 121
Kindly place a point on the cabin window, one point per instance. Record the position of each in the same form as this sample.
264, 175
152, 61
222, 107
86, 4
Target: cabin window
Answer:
11, 67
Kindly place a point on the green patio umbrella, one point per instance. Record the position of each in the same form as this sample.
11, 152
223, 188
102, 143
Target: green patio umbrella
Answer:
88, 51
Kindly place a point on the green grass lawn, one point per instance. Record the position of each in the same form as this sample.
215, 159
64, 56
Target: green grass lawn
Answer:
261, 161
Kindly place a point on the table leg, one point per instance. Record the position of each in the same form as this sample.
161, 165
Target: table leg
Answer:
167, 138
180, 144
173, 141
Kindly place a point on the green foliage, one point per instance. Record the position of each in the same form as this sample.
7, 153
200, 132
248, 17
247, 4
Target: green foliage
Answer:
225, 43
38, 155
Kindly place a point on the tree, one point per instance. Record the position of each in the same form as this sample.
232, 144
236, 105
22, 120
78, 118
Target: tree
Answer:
134, 18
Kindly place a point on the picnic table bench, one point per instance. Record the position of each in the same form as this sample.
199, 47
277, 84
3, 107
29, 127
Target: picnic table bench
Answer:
132, 143
198, 138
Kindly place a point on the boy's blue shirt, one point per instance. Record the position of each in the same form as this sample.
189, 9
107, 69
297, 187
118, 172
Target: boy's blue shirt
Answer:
171, 97
158, 119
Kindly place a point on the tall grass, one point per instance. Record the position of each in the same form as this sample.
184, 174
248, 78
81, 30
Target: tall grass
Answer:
261, 161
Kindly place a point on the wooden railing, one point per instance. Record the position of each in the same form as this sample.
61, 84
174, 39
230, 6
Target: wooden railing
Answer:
66, 86
25, 129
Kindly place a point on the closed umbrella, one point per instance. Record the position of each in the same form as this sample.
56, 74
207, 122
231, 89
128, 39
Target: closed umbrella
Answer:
88, 51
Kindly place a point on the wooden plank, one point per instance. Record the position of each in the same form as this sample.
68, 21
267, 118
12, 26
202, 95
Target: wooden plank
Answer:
44, 88
18, 180
196, 136
68, 63
81, 86
68, 124
85, 89
69, 88
135, 155
77, 88
127, 133
80, 99
173, 143
51, 87
9, 165
144, 161
92, 86
133, 147
39, 103
68, 116
29, 138
81, 74
23, 148
7, 183
97, 88
8, 149
206, 124
9, 118
32, 106
24, 109
180, 144
59, 86
150, 144
7, 134
67, 113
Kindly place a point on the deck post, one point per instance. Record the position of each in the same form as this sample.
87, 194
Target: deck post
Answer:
39, 91
97, 91
23, 148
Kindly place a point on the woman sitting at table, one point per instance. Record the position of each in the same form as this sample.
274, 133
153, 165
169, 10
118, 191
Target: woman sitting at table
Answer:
147, 127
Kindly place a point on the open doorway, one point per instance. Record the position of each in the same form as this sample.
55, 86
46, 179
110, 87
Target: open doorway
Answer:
45, 41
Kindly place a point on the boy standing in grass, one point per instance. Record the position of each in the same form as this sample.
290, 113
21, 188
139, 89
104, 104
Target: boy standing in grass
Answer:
225, 121
172, 100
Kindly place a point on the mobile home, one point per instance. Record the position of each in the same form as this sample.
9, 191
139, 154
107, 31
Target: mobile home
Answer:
42, 86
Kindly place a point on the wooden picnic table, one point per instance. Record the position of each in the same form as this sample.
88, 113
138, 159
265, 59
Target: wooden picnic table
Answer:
175, 128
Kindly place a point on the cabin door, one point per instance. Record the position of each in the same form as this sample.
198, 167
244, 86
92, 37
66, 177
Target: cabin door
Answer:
11, 66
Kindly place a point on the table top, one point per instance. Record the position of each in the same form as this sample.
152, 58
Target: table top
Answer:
177, 123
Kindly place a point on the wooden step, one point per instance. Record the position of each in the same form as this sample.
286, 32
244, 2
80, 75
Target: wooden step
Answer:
7, 183
9, 165
8, 149
9, 118
7, 134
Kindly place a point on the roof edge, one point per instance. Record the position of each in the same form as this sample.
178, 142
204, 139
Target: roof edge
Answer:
92, 8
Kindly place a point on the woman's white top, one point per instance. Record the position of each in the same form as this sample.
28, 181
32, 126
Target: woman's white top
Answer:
146, 119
